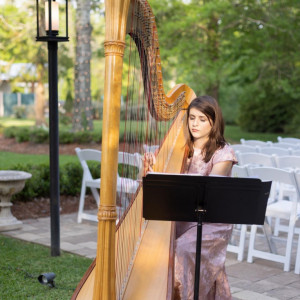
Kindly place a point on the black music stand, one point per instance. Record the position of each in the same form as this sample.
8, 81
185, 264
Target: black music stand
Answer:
213, 199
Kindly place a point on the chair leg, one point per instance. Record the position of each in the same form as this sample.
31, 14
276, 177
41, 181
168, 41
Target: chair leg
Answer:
95, 193
276, 226
251, 243
81, 203
289, 244
297, 265
243, 232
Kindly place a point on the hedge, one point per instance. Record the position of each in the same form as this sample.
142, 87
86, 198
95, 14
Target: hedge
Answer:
39, 184
70, 175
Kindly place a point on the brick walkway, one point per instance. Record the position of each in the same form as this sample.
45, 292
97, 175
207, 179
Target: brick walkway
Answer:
262, 280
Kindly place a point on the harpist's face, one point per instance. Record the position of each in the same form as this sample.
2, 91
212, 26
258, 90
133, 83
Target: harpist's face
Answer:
199, 125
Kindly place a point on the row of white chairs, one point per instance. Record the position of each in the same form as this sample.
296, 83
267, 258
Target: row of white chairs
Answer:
278, 149
287, 140
294, 143
273, 160
278, 209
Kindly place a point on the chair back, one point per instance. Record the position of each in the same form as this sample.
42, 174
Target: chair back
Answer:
288, 162
256, 159
256, 143
296, 152
276, 151
85, 155
290, 140
239, 171
150, 148
286, 145
276, 175
244, 148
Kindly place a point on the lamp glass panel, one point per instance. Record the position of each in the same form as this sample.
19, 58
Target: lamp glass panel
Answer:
54, 15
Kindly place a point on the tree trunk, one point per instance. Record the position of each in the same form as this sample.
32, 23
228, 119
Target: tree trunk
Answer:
213, 41
40, 100
82, 112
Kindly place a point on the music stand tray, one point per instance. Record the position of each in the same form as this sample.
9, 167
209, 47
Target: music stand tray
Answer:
213, 199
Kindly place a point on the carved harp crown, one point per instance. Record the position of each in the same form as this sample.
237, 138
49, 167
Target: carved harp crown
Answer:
141, 271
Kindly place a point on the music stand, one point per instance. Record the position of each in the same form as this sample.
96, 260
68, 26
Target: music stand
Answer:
213, 199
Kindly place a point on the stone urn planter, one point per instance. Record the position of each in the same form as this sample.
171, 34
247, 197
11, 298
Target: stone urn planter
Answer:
11, 182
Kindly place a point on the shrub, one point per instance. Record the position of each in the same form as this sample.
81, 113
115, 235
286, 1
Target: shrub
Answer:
83, 137
19, 111
10, 132
97, 136
66, 137
38, 185
39, 135
70, 179
22, 134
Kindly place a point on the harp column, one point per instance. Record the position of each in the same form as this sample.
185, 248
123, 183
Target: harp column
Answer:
115, 20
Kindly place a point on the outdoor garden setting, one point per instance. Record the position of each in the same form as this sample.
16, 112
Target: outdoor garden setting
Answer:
244, 53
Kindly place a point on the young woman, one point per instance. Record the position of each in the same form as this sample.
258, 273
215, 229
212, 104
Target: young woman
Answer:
208, 154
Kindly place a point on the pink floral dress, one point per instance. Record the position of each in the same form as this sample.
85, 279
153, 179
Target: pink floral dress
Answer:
215, 237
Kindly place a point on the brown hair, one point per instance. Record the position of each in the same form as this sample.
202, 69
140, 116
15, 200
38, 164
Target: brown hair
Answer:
210, 107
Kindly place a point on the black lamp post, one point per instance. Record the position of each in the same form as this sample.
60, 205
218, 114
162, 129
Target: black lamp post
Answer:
50, 34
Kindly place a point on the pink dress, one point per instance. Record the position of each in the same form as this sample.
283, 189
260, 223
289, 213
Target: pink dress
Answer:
215, 237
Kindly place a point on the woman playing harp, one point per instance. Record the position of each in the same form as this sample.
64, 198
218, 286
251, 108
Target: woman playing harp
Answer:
208, 154
122, 270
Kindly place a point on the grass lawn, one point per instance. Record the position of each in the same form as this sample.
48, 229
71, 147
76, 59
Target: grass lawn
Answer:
21, 263
7, 159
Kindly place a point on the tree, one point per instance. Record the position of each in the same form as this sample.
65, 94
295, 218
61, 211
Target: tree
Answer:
82, 112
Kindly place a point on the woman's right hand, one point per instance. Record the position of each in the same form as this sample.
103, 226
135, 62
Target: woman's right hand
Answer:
149, 161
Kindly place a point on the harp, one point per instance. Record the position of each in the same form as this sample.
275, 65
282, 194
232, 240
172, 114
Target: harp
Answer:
133, 257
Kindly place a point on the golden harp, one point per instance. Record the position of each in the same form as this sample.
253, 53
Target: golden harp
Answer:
133, 256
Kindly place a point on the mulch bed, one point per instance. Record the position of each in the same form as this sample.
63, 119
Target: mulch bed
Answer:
40, 207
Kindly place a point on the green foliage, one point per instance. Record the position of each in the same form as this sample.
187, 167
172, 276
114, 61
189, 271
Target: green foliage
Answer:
66, 137
19, 111
22, 262
39, 136
38, 185
9, 132
83, 137
22, 134
70, 179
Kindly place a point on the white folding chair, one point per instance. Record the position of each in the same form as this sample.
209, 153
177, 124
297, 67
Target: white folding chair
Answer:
276, 151
256, 143
125, 185
233, 246
282, 209
256, 160
85, 155
150, 148
290, 140
286, 145
289, 162
128, 185
296, 152
244, 148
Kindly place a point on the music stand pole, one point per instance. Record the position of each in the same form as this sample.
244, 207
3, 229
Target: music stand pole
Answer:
200, 212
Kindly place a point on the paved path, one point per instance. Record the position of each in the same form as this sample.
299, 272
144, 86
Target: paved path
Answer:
262, 280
